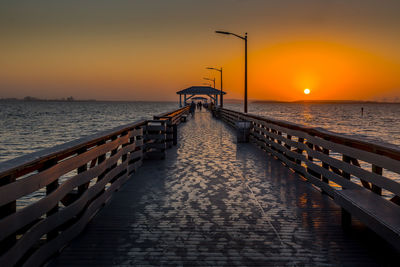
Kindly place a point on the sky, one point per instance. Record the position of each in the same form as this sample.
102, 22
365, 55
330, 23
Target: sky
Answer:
148, 50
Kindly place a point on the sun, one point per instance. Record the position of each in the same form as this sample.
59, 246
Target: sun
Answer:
307, 91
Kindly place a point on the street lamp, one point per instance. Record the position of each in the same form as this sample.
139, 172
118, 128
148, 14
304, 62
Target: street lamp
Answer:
220, 70
208, 79
245, 63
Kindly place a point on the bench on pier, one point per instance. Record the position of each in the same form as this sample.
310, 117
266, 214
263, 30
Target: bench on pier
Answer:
377, 213
184, 118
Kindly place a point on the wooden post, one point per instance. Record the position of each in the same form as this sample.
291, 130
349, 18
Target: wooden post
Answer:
378, 170
100, 159
366, 184
279, 133
83, 168
5, 211
49, 189
155, 139
169, 141
113, 152
273, 139
325, 165
346, 159
125, 156
300, 151
175, 130
310, 158
289, 137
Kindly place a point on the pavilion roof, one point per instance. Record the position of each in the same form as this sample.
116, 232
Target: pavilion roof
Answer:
200, 90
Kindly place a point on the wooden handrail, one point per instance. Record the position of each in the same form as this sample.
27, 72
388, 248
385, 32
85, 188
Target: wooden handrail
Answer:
27, 163
361, 176
387, 150
309, 151
173, 113
74, 179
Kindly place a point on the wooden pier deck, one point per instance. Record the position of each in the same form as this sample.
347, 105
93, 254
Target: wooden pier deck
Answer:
213, 202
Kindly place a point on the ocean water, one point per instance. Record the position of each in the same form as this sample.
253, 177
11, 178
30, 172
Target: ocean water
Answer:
27, 127
378, 123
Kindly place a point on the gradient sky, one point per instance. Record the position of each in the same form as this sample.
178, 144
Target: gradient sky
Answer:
148, 50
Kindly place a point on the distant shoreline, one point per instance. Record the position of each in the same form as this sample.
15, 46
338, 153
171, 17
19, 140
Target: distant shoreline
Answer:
75, 100
34, 99
234, 101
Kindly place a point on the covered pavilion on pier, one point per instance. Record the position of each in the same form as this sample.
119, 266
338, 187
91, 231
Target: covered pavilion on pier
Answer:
191, 92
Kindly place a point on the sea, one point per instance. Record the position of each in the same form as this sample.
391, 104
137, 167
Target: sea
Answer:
29, 126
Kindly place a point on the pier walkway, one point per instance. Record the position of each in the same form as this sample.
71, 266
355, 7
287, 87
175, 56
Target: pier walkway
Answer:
213, 202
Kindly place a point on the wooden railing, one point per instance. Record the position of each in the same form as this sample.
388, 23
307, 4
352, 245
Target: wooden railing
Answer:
309, 151
345, 168
172, 120
47, 197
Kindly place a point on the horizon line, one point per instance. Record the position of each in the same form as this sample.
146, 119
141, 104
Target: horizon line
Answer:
33, 99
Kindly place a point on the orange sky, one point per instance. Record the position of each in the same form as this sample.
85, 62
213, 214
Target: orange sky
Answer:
148, 50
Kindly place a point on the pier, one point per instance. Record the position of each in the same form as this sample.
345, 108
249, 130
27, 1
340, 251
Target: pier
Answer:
167, 192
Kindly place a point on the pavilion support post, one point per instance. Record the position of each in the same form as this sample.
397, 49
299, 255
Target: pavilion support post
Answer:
185, 100
222, 94
180, 100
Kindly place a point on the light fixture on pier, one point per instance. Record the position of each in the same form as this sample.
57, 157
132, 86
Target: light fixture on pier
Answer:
245, 63
221, 97
213, 80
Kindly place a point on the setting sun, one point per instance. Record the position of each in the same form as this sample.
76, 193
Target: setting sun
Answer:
307, 91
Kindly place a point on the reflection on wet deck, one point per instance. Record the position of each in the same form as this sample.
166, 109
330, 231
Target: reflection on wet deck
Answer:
213, 202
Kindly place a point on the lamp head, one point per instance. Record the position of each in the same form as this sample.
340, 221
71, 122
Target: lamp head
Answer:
210, 68
222, 32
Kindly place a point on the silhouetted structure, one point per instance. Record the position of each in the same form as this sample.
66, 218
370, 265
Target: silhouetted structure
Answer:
193, 91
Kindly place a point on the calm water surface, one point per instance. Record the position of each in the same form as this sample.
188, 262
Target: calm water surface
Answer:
379, 122
26, 127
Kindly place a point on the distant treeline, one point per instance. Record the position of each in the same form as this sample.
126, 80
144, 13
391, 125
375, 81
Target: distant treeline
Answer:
31, 98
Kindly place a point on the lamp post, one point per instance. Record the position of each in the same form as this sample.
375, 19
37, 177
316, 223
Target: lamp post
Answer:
216, 96
245, 63
208, 79
221, 97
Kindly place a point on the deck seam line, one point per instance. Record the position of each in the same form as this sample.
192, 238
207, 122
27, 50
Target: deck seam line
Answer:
264, 215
